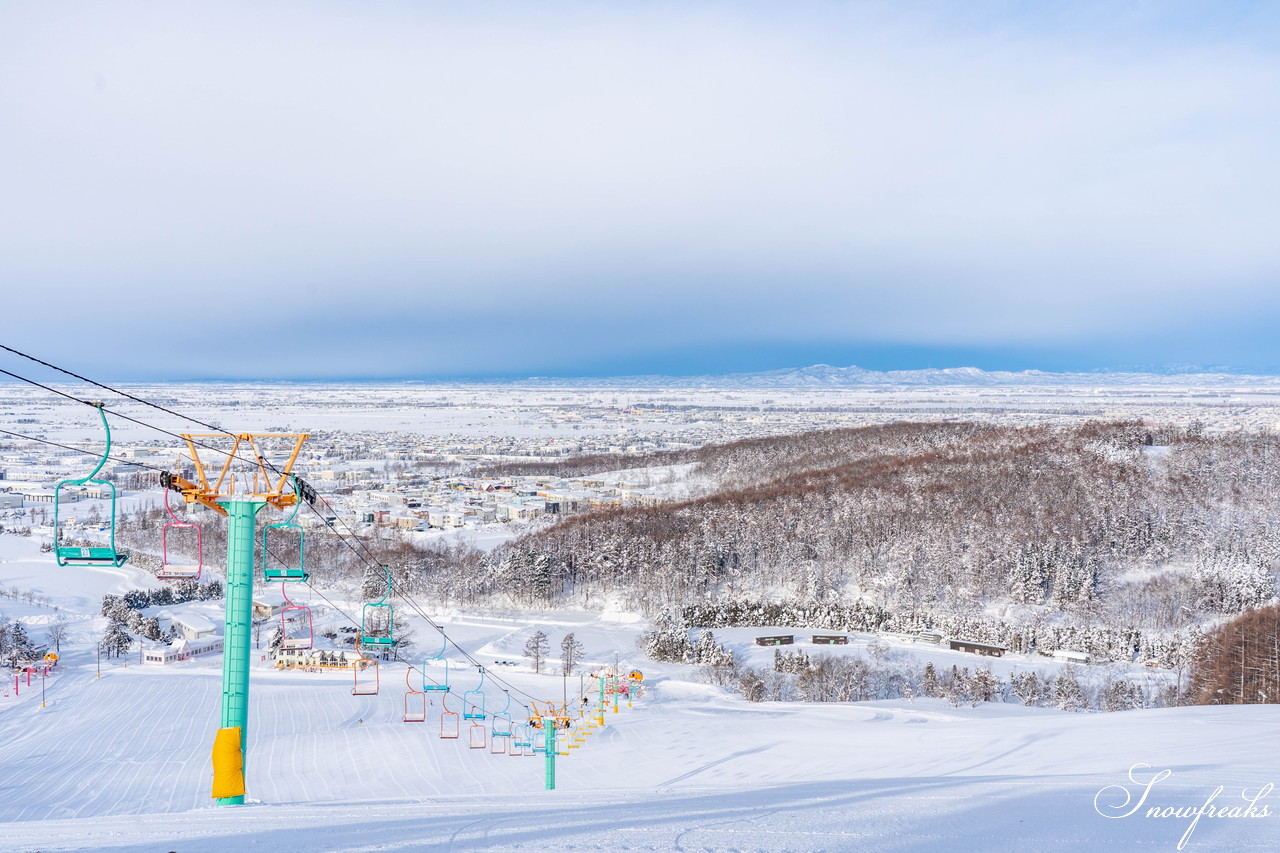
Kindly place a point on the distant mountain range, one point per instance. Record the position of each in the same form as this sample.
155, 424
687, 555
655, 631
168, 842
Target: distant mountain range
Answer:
826, 376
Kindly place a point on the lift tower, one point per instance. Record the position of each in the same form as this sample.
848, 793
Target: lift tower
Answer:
242, 488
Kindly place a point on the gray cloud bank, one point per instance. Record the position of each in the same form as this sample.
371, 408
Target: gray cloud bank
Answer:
459, 188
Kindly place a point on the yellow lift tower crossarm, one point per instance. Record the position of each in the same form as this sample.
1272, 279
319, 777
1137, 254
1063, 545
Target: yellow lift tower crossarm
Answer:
191, 493
265, 485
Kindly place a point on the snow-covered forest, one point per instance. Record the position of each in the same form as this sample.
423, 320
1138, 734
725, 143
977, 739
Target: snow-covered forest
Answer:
1110, 538
1104, 536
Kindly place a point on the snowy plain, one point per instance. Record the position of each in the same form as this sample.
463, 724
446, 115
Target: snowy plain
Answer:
121, 762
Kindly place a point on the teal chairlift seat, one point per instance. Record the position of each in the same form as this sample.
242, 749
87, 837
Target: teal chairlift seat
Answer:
281, 572
92, 556
473, 700
377, 621
443, 686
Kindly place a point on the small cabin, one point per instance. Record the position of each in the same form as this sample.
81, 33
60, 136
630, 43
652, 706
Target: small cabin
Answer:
1067, 656
779, 640
193, 626
267, 604
984, 649
830, 640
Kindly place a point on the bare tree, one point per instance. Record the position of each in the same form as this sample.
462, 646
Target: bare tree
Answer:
538, 648
570, 653
56, 633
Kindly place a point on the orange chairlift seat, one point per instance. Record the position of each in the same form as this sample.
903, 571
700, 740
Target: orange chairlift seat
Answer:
365, 674
415, 701
448, 720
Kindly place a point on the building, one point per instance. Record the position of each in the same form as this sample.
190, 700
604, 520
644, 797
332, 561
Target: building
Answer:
984, 649
1067, 656
181, 650
267, 604
316, 658
193, 626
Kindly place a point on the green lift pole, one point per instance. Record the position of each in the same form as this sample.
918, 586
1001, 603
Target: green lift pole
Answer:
549, 741
241, 518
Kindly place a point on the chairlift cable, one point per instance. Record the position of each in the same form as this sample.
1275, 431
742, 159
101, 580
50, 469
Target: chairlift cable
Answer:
79, 450
413, 604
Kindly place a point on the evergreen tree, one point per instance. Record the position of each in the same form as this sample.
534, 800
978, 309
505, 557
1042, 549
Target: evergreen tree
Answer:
929, 682
151, 628
1028, 687
116, 641
1068, 695
668, 640
1118, 695
19, 642
984, 685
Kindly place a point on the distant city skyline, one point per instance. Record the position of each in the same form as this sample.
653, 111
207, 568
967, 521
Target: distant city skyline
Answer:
503, 190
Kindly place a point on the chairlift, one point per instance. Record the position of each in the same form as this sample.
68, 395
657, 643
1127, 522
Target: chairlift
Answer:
279, 571
178, 571
502, 720
477, 737
448, 720
377, 620
415, 702
500, 728
295, 623
365, 672
439, 657
70, 556
473, 700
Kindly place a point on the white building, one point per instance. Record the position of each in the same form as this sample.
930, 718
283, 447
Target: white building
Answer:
181, 650
193, 626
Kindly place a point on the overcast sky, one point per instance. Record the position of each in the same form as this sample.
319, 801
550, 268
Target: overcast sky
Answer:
419, 189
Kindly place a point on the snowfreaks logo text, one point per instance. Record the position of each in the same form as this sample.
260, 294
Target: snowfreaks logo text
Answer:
1118, 801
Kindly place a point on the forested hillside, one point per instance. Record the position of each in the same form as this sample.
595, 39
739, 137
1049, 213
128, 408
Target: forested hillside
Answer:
1001, 532
1106, 537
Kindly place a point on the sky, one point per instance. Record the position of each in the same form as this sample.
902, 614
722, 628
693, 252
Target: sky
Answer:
431, 190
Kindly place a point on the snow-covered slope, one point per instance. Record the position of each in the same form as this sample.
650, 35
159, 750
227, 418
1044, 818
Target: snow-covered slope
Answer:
121, 763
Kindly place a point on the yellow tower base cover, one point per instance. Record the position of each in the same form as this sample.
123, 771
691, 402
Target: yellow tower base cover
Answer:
228, 764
